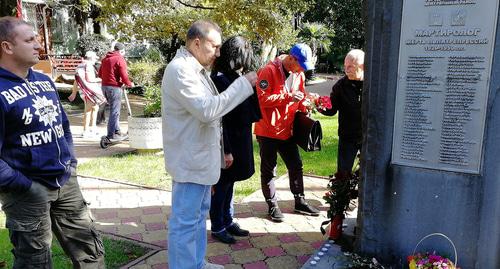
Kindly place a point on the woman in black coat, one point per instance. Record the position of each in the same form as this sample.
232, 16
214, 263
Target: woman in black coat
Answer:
236, 57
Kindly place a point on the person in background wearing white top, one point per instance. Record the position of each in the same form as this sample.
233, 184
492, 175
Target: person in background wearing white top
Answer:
86, 71
192, 110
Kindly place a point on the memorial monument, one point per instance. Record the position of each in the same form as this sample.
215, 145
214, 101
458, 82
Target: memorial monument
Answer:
431, 130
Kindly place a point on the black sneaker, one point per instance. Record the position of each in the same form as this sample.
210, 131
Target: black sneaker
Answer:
235, 230
302, 207
275, 214
224, 237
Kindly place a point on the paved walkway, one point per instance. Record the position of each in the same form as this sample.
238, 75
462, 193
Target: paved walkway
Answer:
140, 214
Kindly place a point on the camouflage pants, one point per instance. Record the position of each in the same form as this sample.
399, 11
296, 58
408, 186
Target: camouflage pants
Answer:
32, 215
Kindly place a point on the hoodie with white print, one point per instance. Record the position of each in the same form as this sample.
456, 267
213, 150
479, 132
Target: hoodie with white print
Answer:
35, 137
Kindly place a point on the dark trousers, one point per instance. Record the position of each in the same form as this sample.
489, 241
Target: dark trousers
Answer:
32, 215
220, 206
289, 152
347, 151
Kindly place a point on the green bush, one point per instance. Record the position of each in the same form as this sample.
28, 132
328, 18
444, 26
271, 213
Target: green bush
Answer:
153, 55
96, 43
159, 75
143, 72
153, 101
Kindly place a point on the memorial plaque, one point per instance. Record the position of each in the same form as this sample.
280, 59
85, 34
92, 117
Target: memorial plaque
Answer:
445, 56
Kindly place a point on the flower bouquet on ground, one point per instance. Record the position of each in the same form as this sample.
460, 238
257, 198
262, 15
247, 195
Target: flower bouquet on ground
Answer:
338, 196
431, 260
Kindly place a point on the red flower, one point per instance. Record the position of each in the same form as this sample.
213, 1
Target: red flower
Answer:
324, 103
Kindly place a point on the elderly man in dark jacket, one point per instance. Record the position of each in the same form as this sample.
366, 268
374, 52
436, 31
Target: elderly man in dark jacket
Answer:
346, 99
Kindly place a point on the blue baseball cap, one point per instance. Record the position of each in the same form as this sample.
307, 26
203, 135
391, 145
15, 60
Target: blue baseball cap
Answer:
303, 54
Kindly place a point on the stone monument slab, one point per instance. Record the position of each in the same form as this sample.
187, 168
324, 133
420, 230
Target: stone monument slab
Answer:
445, 58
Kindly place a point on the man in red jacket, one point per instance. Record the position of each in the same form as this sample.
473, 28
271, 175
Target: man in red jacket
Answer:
113, 72
281, 92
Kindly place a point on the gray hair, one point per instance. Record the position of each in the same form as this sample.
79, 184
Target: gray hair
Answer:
200, 29
357, 55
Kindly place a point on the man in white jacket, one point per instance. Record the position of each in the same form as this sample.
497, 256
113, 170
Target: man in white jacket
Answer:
192, 111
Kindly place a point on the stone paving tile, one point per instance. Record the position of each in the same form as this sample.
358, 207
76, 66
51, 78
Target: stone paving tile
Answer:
156, 218
303, 259
140, 266
128, 229
317, 244
284, 245
242, 208
242, 215
233, 266
160, 243
107, 229
158, 258
256, 265
247, 256
135, 236
160, 266
217, 249
288, 262
155, 226
241, 244
106, 214
289, 238
221, 259
151, 210
283, 227
129, 212
133, 220
313, 236
265, 241
273, 251
298, 248
154, 236
108, 222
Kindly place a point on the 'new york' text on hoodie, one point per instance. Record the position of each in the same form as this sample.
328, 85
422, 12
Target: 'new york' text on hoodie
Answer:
35, 138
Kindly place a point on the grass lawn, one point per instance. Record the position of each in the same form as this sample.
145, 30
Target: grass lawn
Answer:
149, 169
118, 252
144, 169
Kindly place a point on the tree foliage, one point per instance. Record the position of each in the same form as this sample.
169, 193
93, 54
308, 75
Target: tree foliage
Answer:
95, 43
7, 8
344, 17
317, 35
258, 20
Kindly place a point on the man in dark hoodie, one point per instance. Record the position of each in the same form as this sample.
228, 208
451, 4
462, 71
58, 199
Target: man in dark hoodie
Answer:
39, 190
113, 72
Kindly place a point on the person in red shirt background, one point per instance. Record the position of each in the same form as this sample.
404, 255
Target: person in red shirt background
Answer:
113, 72
281, 93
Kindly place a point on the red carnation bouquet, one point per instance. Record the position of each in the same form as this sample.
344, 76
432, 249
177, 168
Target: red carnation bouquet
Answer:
323, 103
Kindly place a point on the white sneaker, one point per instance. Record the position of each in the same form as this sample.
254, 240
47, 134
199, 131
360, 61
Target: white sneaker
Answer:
212, 266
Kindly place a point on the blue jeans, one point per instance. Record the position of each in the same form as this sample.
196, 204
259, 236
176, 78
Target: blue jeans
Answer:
221, 215
114, 97
187, 235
